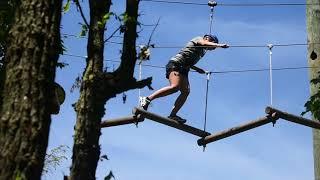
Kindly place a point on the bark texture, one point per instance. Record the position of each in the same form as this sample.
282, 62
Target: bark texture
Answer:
313, 30
98, 87
32, 53
90, 106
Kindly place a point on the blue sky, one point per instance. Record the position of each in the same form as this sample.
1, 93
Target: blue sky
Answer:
154, 151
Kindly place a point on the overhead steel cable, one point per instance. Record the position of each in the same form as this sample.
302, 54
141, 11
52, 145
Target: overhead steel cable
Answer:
233, 4
176, 2
262, 69
232, 46
214, 72
265, 4
242, 46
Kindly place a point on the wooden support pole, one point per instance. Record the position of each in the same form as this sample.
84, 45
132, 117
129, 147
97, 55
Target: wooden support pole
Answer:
293, 118
313, 39
236, 130
121, 121
169, 122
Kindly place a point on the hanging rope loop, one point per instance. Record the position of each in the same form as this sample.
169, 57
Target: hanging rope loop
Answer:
211, 4
208, 73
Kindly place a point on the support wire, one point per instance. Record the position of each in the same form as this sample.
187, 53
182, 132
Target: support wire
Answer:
206, 106
270, 46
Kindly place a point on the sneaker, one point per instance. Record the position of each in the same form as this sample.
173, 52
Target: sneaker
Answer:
177, 118
144, 102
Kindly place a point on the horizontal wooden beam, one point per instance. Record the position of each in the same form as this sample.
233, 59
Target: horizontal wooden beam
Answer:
121, 121
293, 118
236, 130
169, 122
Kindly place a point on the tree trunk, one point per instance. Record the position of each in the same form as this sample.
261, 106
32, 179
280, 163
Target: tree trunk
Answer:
98, 87
313, 29
129, 44
32, 53
6, 18
90, 106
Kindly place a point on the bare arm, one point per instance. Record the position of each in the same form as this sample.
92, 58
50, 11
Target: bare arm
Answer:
212, 45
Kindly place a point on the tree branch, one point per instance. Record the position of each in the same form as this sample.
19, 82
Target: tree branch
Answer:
113, 34
129, 54
81, 12
116, 84
134, 84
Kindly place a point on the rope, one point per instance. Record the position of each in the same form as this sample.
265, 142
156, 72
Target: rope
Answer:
232, 46
206, 106
140, 77
244, 46
213, 72
211, 19
212, 4
270, 46
175, 2
234, 4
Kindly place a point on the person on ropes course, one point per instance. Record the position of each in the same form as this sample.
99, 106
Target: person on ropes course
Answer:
177, 71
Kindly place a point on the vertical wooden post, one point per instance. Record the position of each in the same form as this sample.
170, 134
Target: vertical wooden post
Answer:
313, 30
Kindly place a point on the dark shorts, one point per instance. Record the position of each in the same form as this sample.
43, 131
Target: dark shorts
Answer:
174, 66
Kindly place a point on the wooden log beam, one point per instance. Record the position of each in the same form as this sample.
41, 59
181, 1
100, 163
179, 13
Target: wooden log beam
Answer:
169, 122
293, 118
121, 121
236, 130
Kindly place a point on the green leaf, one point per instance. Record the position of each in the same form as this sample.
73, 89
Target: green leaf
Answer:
84, 30
66, 7
54, 158
104, 19
20, 176
100, 24
313, 104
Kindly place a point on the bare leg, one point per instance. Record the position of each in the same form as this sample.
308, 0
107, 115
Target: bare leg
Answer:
175, 80
185, 90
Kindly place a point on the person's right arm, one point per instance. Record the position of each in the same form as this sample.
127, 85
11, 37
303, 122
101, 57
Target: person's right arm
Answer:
211, 45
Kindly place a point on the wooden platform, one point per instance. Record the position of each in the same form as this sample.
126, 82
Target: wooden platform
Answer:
169, 122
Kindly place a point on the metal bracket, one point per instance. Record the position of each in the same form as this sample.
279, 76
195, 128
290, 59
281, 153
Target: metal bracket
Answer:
212, 4
270, 46
208, 73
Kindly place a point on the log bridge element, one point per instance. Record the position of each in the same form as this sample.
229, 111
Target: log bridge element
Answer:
272, 115
169, 122
121, 121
